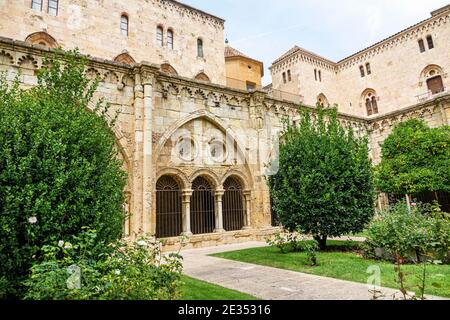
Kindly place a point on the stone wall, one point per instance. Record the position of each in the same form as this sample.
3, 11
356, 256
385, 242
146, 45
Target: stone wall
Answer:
398, 70
94, 28
156, 109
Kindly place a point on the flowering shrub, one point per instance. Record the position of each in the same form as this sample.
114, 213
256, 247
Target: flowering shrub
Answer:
286, 242
71, 271
59, 169
422, 234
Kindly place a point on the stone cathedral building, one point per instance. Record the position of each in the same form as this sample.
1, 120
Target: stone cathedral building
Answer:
197, 150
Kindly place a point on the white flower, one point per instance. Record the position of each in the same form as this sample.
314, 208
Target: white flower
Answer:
142, 243
32, 220
68, 245
60, 243
117, 272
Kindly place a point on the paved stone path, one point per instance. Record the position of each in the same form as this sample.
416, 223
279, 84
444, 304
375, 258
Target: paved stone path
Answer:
269, 283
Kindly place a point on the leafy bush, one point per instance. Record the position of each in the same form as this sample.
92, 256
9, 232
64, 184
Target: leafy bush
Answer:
59, 169
324, 183
74, 272
412, 236
285, 241
415, 159
295, 242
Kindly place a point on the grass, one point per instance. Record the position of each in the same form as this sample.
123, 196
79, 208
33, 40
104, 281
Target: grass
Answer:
336, 263
200, 290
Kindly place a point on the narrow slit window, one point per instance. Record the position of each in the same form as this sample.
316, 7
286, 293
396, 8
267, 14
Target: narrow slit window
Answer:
430, 42
124, 25
320, 76
361, 70
200, 48
170, 39
160, 36
284, 77
368, 69
315, 74
374, 105
421, 45
289, 76
53, 7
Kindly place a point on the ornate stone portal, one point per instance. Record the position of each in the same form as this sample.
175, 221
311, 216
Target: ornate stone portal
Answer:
188, 131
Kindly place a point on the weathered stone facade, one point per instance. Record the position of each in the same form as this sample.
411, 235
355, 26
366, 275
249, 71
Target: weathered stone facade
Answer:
396, 74
170, 124
94, 28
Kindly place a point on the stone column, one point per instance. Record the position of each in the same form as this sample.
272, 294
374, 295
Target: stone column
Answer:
219, 214
136, 218
445, 113
248, 204
149, 219
186, 213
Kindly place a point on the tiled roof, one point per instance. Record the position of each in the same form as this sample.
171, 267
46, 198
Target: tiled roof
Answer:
296, 49
232, 52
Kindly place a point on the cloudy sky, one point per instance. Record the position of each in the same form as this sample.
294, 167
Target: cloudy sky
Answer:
265, 29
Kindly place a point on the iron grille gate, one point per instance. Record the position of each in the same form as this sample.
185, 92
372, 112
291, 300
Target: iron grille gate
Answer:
168, 208
202, 207
233, 206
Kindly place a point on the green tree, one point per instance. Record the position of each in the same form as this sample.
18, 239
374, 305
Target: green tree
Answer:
59, 169
415, 159
324, 184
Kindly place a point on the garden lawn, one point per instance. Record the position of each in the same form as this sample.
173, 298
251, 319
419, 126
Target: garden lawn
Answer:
344, 265
194, 289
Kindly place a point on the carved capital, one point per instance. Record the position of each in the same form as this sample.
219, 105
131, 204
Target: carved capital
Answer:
257, 98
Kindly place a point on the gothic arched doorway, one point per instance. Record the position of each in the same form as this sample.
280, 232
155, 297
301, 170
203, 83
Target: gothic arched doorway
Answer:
168, 208
233, 205
202, 207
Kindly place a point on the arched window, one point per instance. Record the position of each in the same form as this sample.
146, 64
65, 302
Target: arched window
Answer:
170, 39
200, 48
284, 77
432, 76
202, 77
167, 68
369, 107
168, 208
322, 100
421, 45
320, 76
374, 105
53, 7
124, 25
233, 205
368, 69
430, 42
36, 5
361, 70
435, 85
43, 39
371, 101
124, 58
289, 75
160, 36
202, 207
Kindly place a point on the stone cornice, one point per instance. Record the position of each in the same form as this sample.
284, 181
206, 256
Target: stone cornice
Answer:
18, 51
191, 11
430, 103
